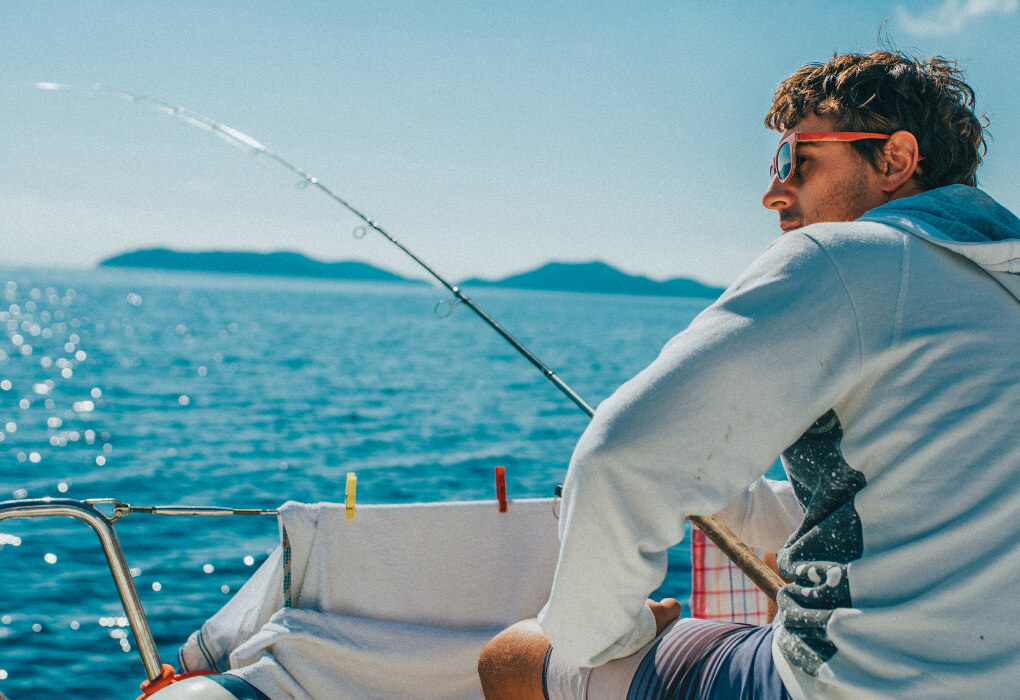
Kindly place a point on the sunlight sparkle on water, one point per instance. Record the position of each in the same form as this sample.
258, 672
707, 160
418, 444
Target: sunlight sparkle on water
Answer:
50, 558
208, 568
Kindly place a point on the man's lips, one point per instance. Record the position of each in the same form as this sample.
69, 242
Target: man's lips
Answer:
788, 223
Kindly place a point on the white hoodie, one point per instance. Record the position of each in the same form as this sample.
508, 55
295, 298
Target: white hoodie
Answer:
881, 358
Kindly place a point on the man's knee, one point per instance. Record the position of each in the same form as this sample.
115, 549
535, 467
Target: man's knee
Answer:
510, 665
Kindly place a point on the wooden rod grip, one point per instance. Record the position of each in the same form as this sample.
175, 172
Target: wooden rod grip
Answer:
729, 544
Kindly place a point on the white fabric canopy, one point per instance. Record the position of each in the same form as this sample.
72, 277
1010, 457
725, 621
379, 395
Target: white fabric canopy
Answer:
396, 603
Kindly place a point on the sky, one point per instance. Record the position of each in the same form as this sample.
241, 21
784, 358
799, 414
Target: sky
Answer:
488, 137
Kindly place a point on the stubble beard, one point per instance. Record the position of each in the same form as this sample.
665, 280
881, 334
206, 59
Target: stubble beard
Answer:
845, 200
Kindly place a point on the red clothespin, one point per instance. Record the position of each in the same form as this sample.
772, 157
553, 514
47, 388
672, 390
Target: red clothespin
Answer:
501, 488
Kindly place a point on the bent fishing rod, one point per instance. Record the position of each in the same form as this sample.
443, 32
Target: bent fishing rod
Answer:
741, 555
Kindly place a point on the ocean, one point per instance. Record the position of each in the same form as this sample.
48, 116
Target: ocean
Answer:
182, 388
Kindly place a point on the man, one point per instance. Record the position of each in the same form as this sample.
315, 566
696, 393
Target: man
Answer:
876, 346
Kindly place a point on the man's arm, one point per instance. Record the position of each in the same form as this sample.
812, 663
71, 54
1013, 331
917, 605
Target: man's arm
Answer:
685, 436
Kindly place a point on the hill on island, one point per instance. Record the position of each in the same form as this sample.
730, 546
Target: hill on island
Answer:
598, 277
249, 263
595, 277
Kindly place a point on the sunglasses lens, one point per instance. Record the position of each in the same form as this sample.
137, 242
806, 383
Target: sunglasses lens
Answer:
784, 162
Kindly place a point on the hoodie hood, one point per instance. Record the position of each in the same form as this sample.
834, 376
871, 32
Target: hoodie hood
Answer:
965, 221
961, 219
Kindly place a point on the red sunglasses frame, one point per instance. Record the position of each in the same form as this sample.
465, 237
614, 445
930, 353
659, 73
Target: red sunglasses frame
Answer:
796, 136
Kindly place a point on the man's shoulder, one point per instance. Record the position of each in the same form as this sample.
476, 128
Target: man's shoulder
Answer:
853, 233
844, 243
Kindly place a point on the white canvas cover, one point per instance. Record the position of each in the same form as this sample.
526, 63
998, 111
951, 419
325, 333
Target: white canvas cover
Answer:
396, 603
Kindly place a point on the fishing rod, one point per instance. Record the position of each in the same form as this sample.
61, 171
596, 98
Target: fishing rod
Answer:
764, 577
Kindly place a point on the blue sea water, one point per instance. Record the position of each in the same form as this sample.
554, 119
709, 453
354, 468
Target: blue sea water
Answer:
171, 388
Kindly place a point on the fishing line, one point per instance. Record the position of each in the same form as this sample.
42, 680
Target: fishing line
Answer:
245, 142
728, 543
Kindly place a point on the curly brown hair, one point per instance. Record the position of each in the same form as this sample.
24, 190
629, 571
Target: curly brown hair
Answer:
884, 92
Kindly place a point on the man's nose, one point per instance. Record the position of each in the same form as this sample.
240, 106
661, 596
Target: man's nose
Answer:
778, 196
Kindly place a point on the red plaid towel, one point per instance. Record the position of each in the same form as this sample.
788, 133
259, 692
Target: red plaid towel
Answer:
719, 590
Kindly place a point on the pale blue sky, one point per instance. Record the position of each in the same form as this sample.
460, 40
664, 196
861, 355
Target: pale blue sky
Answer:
489, 137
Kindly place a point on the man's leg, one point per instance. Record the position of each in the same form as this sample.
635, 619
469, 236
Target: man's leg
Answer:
510, 666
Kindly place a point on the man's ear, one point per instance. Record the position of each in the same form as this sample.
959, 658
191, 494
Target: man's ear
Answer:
900, 155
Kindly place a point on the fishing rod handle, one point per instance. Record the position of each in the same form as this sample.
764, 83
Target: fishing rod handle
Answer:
753, 567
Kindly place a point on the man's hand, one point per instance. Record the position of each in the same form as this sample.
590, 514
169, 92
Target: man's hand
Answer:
665, 611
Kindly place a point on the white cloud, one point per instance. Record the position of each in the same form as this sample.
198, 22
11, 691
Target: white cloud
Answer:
952, 16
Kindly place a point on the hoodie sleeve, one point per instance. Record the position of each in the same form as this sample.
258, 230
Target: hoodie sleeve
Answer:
689, 433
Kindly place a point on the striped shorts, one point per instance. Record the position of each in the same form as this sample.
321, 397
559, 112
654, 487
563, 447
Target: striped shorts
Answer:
691, 660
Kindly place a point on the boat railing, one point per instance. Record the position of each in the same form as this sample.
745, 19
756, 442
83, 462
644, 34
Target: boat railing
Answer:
103, 526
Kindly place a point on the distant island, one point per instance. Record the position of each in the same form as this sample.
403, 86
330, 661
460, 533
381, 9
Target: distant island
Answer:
285, 264
598, 277
594, 277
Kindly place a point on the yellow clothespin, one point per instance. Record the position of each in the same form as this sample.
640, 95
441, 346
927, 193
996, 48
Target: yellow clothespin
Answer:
352, 487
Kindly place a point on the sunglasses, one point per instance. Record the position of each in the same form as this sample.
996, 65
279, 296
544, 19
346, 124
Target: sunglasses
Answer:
785, 160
